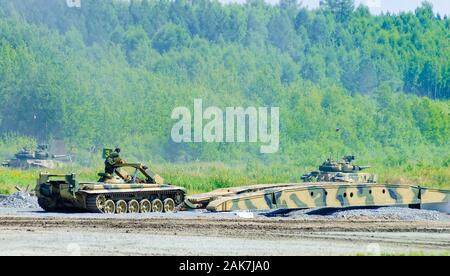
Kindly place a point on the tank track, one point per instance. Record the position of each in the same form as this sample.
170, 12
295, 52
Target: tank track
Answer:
45, 205
177, 196
91, 204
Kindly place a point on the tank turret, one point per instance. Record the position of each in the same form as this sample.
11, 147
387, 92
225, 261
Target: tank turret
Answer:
24, 153
345, 165
42, 152
340, 171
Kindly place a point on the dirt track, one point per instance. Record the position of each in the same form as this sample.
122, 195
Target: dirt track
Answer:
210, 235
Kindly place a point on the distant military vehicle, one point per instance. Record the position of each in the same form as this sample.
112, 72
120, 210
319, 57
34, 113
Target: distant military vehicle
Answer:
39, 158
132, 188
340, 171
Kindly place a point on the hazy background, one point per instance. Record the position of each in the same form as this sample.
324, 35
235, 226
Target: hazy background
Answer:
110, 74
377, 6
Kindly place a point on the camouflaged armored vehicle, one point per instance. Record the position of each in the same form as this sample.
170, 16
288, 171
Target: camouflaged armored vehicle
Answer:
40, 158
336, 185
341, 171
133, 188
321, 195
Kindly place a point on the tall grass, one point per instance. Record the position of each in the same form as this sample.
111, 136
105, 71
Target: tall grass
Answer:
203, 177
11, 178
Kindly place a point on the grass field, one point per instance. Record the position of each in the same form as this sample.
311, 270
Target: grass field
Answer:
203, 177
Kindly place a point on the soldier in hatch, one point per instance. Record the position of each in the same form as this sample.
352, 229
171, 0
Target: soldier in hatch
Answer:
112, 162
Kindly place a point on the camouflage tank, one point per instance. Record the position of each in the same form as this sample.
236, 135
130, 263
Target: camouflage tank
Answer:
340, 171
132, 189
321, 195
40, 158
336, 185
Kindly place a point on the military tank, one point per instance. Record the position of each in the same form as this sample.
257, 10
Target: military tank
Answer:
133, 188
337, 184
39, 158
340, 171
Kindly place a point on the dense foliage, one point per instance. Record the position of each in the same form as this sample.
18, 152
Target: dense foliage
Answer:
111, 72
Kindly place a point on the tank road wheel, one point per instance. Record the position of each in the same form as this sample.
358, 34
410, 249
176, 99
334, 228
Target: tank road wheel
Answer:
145, 206
121, 207
110, 207
169, 205
179, 198
100, 202
157, 206
133, 206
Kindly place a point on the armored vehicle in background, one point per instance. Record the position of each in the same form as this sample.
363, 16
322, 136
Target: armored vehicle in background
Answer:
39, 158
340, 171
132, 188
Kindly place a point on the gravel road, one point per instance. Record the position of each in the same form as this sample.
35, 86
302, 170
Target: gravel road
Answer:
33, 232
95, 242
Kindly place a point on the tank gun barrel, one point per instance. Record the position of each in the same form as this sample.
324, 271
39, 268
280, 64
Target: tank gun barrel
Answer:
56, 156
360, 168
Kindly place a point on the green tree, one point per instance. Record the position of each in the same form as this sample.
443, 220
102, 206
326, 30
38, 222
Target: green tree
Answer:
281, 32
341, 9
170, 37
302, 19
319, 31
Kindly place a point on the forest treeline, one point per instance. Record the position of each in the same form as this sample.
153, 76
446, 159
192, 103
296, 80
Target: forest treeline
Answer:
111, 72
